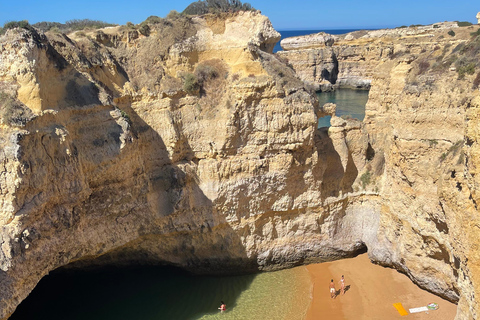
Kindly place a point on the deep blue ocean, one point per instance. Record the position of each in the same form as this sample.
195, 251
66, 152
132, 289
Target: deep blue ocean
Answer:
295, 33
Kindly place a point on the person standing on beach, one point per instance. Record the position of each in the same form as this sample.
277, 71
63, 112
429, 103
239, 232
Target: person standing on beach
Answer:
342, 285
332, 289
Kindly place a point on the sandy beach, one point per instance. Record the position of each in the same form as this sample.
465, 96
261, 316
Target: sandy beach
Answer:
371, 292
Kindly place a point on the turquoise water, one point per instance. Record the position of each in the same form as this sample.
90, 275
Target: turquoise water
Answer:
145, 293
349, 102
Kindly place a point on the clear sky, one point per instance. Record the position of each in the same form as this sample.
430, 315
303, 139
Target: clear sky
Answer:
284, 14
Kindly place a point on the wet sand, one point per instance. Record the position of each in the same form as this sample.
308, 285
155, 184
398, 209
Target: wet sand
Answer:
371, 292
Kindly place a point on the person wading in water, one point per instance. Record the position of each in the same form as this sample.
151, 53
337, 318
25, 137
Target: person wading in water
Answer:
223, 307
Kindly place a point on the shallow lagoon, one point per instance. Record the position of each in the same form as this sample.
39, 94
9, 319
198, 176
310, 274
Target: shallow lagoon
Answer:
167, 293
349, 102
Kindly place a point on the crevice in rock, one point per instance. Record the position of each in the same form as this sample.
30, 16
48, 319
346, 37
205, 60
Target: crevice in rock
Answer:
370, 153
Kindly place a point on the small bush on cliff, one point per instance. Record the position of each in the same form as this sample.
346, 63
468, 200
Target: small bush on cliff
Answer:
366, 179
190, 83
216, 6
476, 33
15, 24
464, 23
451, 33
173, 14
153, 20
72, 25
80, 24
464, 66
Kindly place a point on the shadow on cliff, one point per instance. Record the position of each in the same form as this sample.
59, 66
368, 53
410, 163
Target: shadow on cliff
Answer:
335, 178
177, 225
130, 293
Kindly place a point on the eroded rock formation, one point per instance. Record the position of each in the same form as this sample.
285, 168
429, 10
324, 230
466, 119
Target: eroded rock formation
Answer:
189, 144
349, 60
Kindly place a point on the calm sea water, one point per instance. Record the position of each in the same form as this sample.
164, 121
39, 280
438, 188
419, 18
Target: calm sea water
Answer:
165, 293
349, 102
296, 33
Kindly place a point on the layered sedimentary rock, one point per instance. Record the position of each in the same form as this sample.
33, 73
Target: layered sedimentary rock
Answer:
188, 143
349, 60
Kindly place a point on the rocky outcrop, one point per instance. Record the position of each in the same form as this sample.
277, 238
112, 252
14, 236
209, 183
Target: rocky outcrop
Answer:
188, 143
320, 39
349, 60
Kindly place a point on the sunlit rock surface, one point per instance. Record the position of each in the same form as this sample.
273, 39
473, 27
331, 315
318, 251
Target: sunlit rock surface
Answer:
190, 144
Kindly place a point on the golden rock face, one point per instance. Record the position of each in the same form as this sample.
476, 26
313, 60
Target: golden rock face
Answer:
192, 145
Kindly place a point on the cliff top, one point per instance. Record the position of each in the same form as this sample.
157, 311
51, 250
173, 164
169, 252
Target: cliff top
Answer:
444, 30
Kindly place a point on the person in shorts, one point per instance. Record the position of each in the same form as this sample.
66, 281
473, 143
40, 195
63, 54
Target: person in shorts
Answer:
332, 289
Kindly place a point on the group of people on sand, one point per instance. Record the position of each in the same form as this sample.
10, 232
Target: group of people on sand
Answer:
333, 291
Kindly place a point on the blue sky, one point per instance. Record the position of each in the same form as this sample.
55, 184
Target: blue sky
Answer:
285, 15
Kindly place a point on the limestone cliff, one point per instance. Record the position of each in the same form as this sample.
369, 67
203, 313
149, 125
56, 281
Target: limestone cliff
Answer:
349, 60
421, 120
188, 143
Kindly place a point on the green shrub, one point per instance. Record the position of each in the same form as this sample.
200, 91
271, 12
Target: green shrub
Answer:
366, 179
47, 26
125, 116
144, 29
173, 14
216, 6
476, 33
464, 23
190, 83
130, 25
436, 26
16, 24
467, 69
153, 20
72, 25
451, 33
80, 24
